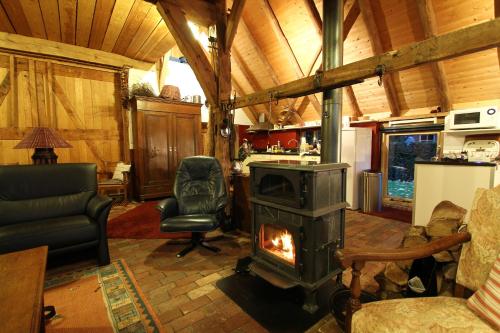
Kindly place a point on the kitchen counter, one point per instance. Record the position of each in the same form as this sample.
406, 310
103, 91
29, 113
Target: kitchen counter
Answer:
285, 153
465, 163
453, 181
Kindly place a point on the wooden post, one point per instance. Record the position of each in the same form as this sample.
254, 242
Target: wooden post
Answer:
223, 74
354, 301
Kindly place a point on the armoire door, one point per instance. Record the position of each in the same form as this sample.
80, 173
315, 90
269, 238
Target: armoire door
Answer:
157, 176
185, 138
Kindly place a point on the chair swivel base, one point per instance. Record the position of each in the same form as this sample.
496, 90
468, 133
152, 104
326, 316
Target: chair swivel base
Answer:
197, 240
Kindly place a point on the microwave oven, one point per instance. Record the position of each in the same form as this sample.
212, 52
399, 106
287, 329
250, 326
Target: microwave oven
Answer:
484, 117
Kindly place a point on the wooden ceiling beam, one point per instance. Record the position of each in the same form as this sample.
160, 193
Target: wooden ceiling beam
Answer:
497, 14
56, 50
233, 21
460, 42
280, 35
190, 48
378, 48
428, 21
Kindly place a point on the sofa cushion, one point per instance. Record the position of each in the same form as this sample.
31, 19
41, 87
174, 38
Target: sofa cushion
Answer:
424, 314
43, 208
56, 233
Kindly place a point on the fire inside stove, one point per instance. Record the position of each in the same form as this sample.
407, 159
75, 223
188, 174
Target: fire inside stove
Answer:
277, 241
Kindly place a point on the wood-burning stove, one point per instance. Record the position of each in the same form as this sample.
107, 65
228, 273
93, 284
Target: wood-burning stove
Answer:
297, 223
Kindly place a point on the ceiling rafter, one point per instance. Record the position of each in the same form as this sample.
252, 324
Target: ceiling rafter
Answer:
428, 21
366, 7
247, 73
233, 21
476, 38
283, 40
261, 56
350, 19
189, 46
251, 110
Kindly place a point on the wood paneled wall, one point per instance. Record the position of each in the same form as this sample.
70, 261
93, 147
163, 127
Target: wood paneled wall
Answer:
81, 103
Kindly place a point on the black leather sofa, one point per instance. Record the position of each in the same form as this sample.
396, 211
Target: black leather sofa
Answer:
55, 205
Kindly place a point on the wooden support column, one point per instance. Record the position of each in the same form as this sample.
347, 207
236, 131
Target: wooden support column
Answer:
428, 21
378, 48
13, 113
222, 145
124, 133
280, 35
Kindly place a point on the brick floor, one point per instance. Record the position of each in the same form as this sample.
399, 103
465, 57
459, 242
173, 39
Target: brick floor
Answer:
183, 293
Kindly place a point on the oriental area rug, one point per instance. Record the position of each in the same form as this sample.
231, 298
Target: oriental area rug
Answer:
140, 222
99, 299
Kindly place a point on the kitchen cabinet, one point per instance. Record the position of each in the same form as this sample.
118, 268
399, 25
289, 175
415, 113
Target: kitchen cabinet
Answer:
164, 133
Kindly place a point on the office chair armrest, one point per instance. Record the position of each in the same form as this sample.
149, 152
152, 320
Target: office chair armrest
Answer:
168, 208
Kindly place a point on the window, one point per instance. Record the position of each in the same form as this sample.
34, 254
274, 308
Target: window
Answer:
401, 152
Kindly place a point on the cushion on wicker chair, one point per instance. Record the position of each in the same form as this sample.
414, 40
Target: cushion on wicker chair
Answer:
412, 315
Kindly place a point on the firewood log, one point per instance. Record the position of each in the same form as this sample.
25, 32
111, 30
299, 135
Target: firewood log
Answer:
450, 271
395, 274
413, 241
443, 256
404, 264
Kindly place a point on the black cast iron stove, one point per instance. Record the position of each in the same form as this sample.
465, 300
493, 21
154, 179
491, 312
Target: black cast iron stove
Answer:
298, 213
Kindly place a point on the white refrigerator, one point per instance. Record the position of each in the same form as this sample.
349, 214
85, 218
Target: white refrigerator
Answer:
357, 152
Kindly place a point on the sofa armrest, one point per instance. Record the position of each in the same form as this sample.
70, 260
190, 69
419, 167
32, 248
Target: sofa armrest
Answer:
168, 208
97, 205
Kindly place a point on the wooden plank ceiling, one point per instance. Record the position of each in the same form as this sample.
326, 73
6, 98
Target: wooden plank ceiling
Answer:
132, 28
279, 41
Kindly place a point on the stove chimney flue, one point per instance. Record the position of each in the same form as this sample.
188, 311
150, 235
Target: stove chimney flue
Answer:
331, 119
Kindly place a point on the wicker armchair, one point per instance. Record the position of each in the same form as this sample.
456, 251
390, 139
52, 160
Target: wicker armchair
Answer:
481, 245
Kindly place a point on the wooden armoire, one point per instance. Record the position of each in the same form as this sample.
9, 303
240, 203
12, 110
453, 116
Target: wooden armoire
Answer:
164, 133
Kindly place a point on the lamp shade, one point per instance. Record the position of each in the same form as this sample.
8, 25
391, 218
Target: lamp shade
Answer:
43, 137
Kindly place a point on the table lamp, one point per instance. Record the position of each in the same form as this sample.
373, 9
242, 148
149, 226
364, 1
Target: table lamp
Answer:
44, 140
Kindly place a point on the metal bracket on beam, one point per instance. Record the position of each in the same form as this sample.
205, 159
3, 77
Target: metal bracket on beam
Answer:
380, 71
318, 77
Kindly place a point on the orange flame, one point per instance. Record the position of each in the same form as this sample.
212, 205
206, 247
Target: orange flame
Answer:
283, 246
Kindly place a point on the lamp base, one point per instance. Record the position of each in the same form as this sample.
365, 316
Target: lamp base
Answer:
44, 156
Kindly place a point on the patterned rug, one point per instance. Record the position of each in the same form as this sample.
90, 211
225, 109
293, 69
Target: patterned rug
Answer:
99, 299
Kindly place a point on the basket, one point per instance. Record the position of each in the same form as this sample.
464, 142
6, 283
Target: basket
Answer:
171, 92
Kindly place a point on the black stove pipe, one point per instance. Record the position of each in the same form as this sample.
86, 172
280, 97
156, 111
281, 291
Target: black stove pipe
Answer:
331, 119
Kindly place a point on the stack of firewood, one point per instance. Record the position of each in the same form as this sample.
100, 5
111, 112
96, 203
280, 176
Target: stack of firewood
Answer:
445, 220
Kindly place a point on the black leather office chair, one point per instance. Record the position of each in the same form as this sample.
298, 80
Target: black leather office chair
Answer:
198, 203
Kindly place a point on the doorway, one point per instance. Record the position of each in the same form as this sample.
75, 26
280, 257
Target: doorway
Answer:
400, 151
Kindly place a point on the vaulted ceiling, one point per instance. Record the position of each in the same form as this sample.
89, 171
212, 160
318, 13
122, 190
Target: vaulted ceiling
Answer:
280, 41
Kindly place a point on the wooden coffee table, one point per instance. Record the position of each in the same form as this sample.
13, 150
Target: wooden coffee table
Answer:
22, 277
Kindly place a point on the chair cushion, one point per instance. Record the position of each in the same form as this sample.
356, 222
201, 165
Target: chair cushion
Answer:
55, 232
480, 253
486, 300
194, 223
412, 315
